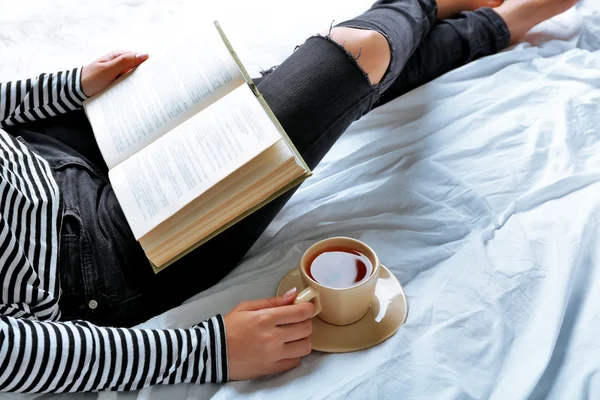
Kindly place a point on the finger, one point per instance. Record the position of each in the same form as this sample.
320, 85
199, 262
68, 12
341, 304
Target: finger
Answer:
283, 365
292, 314
111, 56
299, 348
291, 333
126, 61
255, 305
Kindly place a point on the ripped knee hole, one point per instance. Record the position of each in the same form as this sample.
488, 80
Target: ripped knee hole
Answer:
369, 48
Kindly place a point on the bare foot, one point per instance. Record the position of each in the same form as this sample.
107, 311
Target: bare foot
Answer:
522, 15
451, 8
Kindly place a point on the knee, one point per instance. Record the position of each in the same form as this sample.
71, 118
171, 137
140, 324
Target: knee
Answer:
370, 49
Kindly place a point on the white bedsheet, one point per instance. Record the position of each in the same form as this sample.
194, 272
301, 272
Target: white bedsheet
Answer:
481, 192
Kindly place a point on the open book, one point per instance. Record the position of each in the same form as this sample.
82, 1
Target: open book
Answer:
192, 147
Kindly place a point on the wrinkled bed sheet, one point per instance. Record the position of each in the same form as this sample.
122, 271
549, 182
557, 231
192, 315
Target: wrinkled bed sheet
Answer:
480, 191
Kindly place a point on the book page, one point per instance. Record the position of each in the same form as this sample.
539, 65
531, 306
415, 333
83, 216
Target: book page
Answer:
200, 220
160, 94
174, 170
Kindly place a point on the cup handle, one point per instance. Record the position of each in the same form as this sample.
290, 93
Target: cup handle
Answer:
307, 295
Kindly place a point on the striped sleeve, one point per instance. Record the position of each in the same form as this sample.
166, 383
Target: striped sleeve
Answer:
46, 96
51, 357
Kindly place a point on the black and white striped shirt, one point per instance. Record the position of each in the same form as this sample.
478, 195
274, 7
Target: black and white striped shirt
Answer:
37, 352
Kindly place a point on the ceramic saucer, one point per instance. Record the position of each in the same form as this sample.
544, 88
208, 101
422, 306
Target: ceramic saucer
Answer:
387, 314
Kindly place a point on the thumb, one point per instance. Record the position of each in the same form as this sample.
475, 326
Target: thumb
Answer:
254, 305
126, 61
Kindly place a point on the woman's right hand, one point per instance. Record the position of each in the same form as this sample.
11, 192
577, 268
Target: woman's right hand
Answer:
267, 336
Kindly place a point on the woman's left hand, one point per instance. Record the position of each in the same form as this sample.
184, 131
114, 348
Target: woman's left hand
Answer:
98, 75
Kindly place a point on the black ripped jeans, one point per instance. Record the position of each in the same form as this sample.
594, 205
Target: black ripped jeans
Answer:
316, 94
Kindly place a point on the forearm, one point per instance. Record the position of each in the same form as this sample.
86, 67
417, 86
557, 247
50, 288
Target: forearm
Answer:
46, 96
45, 357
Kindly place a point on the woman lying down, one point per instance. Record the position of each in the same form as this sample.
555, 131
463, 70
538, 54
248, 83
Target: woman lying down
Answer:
73, 279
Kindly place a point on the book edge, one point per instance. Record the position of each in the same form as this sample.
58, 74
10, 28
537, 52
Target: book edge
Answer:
261, 99
234, 221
